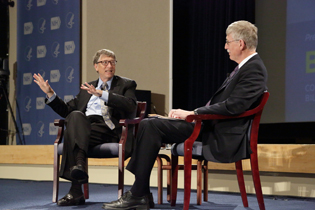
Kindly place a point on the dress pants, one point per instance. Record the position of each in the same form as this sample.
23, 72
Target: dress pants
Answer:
82, 132
152, 132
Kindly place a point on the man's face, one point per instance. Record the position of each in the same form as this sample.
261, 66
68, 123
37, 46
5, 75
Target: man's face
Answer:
233, 48
106, 72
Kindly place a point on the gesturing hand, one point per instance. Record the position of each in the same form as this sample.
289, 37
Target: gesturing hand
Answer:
91, 89
44, 85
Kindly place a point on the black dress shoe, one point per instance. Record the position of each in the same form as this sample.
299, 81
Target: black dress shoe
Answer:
69, 200
78, 173
151, 201
128, 201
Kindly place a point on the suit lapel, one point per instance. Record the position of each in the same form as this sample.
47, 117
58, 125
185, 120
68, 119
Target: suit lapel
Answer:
115, 85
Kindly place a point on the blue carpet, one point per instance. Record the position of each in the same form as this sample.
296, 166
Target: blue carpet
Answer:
21, 194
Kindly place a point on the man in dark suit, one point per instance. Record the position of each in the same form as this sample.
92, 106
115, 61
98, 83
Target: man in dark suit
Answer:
223, 140
91, 118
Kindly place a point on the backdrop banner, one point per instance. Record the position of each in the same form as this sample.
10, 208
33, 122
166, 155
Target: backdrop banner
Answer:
48, 42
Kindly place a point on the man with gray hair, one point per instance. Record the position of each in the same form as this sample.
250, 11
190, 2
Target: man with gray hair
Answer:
223, 140
85, 119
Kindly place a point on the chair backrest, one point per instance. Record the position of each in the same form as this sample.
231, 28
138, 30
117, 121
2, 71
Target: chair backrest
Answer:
255, 123
255, 113
141, 108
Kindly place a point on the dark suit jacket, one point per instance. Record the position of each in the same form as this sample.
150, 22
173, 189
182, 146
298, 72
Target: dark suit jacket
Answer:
122, 104
227, 140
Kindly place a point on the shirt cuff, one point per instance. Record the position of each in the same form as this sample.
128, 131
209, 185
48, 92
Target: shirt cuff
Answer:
104, 96
51, 98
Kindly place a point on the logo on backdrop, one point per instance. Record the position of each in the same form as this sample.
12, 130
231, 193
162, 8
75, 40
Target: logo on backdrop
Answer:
40, 102
69, 47
41, 51
27, 78
49, 31
55, 2
55, 23
27, 129
69, 20
55, 49
40, 128
67, 98
69, 74
54, 75
28, 28
27, 103
28, 53
41, 3
29, 5
43, 73
53, 130
41, 25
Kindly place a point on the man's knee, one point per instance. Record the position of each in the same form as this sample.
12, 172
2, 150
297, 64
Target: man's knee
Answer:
75, 116
149, 122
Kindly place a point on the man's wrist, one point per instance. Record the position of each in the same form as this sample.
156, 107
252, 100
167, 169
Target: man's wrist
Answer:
195, 112
100, 93
50, 94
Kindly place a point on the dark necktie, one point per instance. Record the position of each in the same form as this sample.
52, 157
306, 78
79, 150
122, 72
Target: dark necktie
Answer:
233, 72
230, 77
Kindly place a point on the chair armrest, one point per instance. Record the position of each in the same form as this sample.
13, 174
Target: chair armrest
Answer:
60, 123
141, 107
259, 108
125, 122
200, 117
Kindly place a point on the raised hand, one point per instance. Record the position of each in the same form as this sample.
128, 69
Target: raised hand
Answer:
44, 85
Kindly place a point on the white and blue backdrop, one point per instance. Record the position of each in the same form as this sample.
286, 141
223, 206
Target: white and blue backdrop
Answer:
48, 42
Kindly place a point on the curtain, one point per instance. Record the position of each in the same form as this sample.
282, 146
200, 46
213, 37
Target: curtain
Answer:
200, 62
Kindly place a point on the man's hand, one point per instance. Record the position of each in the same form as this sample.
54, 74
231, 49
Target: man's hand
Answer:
91, 89
180, 113
44, 85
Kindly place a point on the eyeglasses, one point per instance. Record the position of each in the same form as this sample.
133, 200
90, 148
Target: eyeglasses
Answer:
228, 42
105, 63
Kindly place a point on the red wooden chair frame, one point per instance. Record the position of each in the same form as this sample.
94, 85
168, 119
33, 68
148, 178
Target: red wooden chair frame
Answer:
256, 113
140, 114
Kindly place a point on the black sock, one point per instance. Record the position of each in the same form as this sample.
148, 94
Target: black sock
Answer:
80, 156
76, 189
140, 187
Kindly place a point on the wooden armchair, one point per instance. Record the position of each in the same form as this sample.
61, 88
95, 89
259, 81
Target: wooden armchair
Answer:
106, 150
191, 149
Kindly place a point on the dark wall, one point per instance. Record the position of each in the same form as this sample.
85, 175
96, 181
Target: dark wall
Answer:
200, 62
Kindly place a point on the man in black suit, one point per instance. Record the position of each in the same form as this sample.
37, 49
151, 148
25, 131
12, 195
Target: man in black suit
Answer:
223, 140
91, 118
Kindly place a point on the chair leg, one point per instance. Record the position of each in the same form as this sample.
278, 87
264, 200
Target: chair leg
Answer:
160, 179
86, 190
174, 172
162, 167
168, 179
199, 181
86, 186
256, 179
121, 172
56, 174
241, 183
205, 180
187, 175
